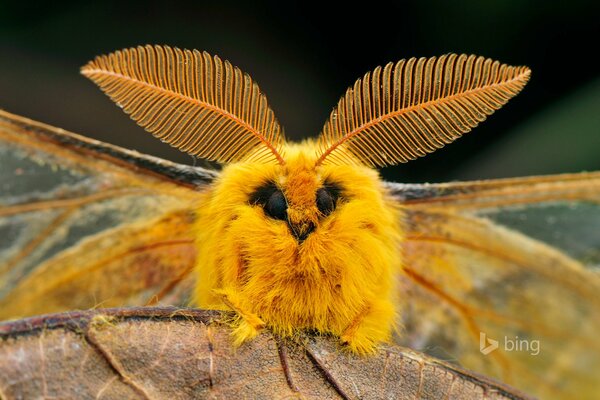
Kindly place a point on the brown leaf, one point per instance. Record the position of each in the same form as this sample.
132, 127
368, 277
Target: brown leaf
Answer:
171, 353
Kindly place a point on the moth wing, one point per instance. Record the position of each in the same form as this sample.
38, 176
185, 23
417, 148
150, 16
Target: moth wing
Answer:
86, 224
502, 278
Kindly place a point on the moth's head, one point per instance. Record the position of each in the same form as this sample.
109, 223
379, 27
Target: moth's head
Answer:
297, 199
295, 194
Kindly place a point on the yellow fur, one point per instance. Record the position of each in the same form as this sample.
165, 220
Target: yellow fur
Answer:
339, 280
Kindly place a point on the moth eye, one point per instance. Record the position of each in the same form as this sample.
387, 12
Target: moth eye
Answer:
272, 201
276, 206
327, 197
325, 202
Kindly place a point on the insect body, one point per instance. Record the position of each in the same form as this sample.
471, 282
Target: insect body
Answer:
302, 236
299, 246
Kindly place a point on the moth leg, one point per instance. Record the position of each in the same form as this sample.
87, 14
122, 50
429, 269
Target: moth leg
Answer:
248, 324
371, 326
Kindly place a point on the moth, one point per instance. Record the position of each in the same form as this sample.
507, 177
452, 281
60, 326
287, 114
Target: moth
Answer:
306, 236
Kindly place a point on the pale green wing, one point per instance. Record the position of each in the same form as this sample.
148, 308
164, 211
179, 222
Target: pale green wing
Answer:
85, 224
514, 261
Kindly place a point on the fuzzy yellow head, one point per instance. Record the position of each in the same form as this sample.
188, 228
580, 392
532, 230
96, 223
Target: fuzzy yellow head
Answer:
300, 246
302, 236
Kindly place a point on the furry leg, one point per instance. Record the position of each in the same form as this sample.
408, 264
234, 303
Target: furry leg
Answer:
367, 329
248, 324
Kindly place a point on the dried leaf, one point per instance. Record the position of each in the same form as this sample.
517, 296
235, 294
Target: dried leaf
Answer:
169, 353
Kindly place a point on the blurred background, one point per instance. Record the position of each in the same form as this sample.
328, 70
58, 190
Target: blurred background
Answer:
304, 57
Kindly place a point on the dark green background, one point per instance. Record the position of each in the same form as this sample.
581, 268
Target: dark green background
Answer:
304, 56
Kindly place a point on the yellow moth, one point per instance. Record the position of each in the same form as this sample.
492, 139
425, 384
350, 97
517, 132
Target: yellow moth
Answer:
302, 236
306, 236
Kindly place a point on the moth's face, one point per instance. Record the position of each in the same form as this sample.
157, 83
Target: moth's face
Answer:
297, 197
298, 203
272, 223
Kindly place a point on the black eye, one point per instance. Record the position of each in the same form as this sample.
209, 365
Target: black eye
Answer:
327, 198
276, 207
272, 201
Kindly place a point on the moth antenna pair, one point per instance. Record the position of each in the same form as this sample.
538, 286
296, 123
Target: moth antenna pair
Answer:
210, 109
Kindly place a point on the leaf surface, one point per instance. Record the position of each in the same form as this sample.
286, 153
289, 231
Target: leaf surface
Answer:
169, 353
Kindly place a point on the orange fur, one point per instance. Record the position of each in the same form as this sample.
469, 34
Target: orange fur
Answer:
339, 280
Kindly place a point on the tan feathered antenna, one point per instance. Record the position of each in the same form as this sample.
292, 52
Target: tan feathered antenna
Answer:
409, 109
191, 100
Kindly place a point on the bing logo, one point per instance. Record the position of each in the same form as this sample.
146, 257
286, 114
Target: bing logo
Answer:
487, 345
